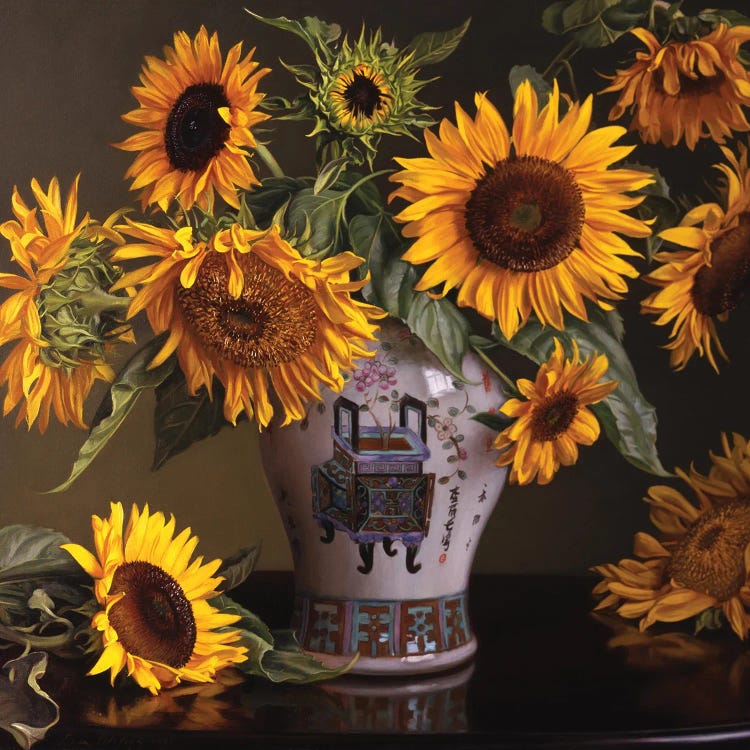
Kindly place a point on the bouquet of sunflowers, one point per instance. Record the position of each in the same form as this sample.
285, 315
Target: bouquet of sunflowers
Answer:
511, 232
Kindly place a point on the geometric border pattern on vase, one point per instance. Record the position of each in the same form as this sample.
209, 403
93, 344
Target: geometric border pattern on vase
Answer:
381, 628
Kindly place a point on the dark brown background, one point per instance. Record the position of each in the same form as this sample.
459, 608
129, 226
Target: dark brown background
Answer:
67, 67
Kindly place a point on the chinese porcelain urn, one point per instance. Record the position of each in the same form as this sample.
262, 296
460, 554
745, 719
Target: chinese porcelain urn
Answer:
384, 490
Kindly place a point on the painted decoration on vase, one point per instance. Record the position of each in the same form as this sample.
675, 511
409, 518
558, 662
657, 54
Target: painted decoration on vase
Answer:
373, 488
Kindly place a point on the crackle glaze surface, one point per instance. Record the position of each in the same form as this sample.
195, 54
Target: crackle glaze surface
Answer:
384, 491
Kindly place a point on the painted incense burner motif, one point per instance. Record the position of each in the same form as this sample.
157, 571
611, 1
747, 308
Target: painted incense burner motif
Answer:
374, 488
384, 490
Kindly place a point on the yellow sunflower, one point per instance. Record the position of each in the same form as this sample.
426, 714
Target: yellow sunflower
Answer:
246, 307
60, 343
694, 89
526, 224
554, 419
710, 279
196, 114
156, 622
701, 561
729, 475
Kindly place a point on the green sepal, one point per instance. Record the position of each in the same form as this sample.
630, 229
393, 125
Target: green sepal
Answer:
128, 385
629, 421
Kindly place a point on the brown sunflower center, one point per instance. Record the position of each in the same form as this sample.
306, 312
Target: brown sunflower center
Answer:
710, 557
362, 95
195, 131
154, 620
272, 322
526, 214
720, 287
553, 416
690, 86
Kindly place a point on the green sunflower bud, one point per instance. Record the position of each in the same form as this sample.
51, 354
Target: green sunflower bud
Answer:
359, 91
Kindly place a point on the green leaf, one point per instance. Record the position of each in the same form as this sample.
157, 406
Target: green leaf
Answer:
236, 568
26, 711
249, 622
629, 421
443, 329
273, 193
318, 34
122, 396
496, 422
392, 280
287, 662
520, 73
595, 23
313, 220
329, 174
727, 16
29, 553
181, 419
434, 46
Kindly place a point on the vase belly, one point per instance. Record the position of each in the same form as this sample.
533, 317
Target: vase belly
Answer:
384, 491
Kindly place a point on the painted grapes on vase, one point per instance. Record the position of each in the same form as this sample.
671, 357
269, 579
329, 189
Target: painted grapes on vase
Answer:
413, 298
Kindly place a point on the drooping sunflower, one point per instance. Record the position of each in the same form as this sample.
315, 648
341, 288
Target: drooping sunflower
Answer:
246, 307
708, 281
156, 620
523, 225
692, 89
197, 116
554, 419
61, 315
699, 563
729, 475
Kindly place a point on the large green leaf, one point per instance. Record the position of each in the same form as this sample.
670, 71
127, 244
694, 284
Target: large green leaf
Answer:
129, 384
434, 46
595, 23
26, 711
181, 419
318, 34
270, 196
29, 553
249, 622
629, 420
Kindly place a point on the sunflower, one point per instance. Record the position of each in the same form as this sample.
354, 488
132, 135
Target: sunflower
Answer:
156, 620
554, 419
693, 89
700, 563
710, 279
196, 116
246, 307
729, 475
527, 227
61, 315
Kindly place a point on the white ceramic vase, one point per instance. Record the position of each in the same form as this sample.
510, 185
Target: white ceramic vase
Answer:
384, 490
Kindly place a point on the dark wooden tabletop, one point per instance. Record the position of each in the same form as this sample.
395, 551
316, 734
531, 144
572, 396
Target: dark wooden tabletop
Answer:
548, 674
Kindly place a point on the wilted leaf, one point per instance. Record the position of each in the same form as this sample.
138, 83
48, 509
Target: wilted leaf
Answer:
236, 568
29, 553
128, 385
595, 23
26, 711
434, 47
629, 421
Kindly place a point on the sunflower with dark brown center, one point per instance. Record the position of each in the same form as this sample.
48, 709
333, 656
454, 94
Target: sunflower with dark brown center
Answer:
692, 89
197, 114
360, 98
698, 563
523, 224
554, 419
707, 282
156, 622
247, 308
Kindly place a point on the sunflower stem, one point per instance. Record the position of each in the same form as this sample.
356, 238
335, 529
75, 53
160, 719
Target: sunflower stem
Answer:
268, 159
571, 76
565, 53
495, 368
